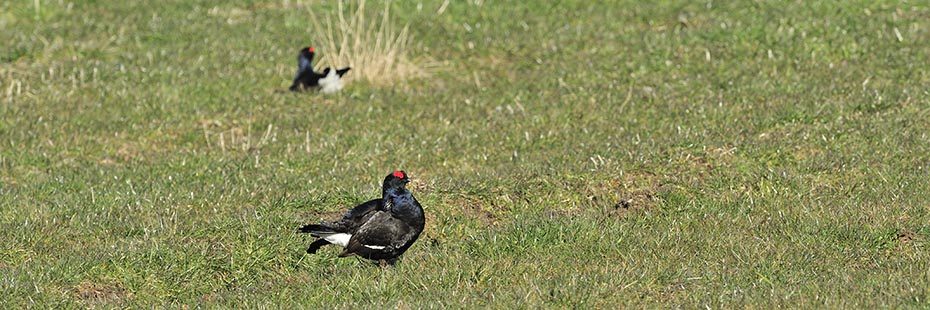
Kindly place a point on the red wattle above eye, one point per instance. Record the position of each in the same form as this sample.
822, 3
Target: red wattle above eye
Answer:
398, 174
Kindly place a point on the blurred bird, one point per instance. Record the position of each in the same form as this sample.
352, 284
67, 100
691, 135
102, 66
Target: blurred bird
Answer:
329, 81
332, 82
380, 229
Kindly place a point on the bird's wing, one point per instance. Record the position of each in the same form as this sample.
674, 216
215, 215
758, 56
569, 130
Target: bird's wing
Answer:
343, 71
357, 216
349, 223
382, 233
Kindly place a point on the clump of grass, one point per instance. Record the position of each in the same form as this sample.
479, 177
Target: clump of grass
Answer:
369, 43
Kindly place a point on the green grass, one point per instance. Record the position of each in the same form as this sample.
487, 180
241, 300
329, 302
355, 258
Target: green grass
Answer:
774, 154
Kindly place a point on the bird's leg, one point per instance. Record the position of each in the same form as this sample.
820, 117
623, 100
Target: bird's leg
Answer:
382, 263
316, 245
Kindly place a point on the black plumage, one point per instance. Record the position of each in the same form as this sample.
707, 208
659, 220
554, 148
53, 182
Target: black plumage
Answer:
379, 229
306, 77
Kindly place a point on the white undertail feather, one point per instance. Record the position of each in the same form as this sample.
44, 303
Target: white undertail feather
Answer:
338, 239
331, 83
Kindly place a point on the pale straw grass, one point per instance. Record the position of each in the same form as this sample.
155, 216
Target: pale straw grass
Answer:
375, 49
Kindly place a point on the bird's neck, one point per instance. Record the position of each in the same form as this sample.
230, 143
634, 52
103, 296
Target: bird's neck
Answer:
394, 195
401, 202
389, 192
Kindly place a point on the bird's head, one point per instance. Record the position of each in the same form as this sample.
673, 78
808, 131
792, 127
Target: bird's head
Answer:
307, 51
396, 180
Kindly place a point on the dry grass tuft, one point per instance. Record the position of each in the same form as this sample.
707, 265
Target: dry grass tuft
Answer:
369, 43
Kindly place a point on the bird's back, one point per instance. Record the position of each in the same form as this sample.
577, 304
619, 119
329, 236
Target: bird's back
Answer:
383, 236
356, 217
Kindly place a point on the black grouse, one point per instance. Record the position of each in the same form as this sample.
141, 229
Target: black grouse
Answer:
306, 78
380, 229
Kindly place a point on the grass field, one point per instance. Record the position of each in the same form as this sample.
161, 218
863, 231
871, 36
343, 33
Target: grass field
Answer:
570, 153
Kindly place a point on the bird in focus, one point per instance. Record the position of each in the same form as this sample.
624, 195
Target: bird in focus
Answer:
379, 229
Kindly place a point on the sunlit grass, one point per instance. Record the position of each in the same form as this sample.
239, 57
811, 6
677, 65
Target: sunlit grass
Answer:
571, 154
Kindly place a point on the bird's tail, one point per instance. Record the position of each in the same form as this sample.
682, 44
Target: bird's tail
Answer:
317, 230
